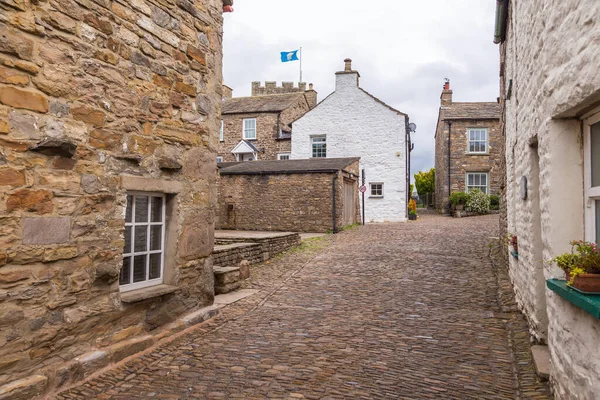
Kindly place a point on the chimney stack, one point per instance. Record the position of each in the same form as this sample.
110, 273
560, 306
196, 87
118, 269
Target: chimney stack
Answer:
446, 98
311, 96
348, 67
227, 92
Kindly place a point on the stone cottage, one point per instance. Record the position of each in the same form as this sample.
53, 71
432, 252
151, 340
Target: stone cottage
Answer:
351, 122
550, 93
259, 127
317, 195
468, 148
109, 117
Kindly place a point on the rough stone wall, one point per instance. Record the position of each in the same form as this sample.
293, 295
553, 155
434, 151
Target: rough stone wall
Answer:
232, 255
97, 98
461, 161
554, 82
356, 125
268, 126
290, 202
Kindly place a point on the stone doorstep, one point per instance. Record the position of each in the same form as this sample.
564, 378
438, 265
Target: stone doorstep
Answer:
226, 275
94, 361
541, 360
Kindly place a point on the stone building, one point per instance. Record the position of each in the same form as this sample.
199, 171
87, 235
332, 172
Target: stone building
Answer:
351, 122
303, 195
109, 116
468, 148
259, 127
550, 52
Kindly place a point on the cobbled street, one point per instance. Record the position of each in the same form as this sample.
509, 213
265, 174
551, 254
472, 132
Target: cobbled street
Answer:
386, 311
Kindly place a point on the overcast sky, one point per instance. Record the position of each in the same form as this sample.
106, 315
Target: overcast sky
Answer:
403, 50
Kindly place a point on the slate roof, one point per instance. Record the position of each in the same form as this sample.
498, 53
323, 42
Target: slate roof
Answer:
471, 111
270, 103
312, 165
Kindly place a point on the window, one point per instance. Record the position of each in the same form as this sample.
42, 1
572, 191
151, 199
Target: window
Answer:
478, 140
219, 160
283, 156
319, 146
143, 253
221, 134
250, 129
592, 177
477, 180
376, 189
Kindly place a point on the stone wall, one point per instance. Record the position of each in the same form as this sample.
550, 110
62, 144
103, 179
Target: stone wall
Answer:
231, 254
285, 88
555, 82
268, 247
98, 98
285, 202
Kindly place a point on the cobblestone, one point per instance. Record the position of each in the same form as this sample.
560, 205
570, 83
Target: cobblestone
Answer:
386, 311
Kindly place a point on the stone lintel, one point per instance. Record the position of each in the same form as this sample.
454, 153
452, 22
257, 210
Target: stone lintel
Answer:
143, 184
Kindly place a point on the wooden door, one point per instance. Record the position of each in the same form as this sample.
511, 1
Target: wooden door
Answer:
349, 214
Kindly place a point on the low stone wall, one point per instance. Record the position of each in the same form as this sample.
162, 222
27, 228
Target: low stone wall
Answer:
233, 254
270, 246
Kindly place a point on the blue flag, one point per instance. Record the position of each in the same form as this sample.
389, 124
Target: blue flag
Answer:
289, 56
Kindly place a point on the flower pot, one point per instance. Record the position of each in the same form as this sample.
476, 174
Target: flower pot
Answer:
587, 283
412, 217
459, 207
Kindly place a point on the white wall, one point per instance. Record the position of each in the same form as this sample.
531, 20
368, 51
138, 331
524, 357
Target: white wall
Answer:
552, 57
358, 126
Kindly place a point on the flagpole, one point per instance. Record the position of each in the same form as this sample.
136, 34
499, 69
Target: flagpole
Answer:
300, 65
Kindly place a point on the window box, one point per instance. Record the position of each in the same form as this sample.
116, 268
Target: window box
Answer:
587, 302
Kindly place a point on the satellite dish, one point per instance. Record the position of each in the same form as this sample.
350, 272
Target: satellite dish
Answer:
412, 126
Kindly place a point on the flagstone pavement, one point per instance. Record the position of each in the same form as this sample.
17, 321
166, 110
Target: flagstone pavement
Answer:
385, 311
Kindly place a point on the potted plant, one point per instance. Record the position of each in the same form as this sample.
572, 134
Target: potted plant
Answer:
458, 200
581, 266
412, 210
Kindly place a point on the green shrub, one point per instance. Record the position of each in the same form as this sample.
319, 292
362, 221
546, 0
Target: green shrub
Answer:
457, 198
478, 202
494, 202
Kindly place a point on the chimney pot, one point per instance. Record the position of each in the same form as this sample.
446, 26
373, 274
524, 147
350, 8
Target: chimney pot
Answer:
348, 62
310, 86
447, 85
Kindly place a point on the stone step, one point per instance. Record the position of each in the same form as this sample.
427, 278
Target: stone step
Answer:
541, 359
227, 279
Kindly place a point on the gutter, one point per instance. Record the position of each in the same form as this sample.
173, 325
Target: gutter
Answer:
501, 17
306, 171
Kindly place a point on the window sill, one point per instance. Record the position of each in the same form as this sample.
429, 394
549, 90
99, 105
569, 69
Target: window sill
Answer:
587, 302
376, 197
250, 140
477, 154
146, 293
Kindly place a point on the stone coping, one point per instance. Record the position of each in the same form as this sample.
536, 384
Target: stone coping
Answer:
147, 293
225, 234
587, 302
225, 247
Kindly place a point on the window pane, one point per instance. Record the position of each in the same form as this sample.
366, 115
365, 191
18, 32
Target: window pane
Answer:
141, 238
157, 204
127, 246
141, 209
155, 263
128, 208
483, 180
139, 269
470, 179
125, 276
595, 161
156, 237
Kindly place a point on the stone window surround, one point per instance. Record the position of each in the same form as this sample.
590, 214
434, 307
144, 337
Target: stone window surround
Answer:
591, 194
375, 196
487, 142
487, 174
171, 189
244, 129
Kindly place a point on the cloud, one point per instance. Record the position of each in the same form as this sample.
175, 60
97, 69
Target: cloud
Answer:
403, 50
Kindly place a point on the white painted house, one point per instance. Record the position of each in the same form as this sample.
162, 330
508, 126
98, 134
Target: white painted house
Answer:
350, 122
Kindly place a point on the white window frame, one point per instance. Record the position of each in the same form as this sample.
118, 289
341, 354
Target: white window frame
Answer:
219, 159
591, 194
375, 196
148, 252
222, 132
312, 143
487, 181
487, 140
245, 130
285, 155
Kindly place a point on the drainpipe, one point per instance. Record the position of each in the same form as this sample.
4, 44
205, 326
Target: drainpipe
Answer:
501, 16
449, 158
333, 203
